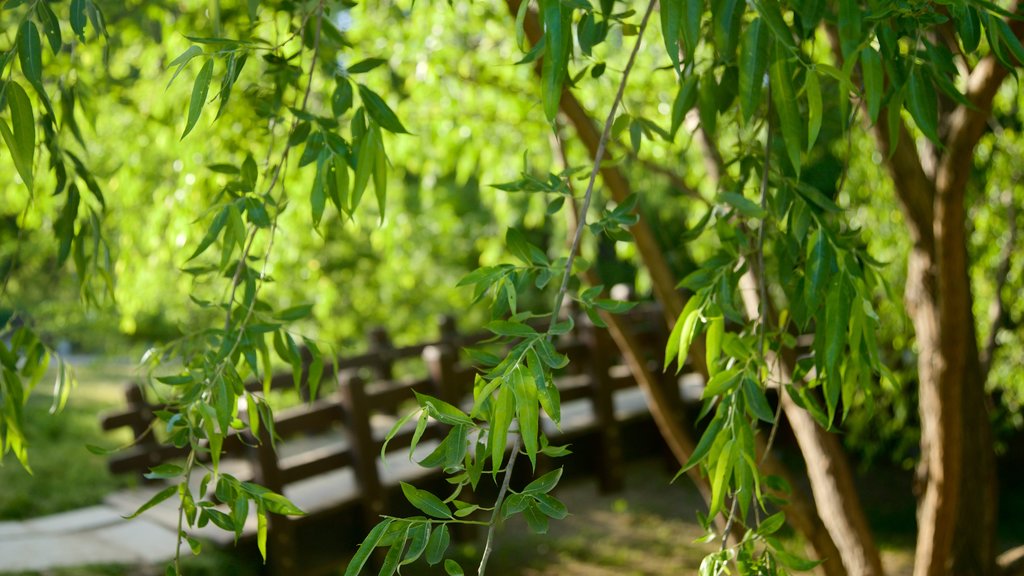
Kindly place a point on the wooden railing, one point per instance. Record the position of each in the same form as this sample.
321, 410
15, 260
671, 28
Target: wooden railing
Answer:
328, 458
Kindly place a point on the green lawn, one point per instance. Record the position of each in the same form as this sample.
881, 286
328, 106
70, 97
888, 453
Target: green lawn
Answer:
65, 475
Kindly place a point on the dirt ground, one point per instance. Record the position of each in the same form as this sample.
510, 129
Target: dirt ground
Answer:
647, 530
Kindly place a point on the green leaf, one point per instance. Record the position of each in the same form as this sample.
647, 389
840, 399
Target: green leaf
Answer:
366, 548
793, 562
707, 102
426, 502
524, 8
850, 16
871, 70
814, 111
784, 99
504, 409
527, 411
691, 15
923, 104
443, 411
51, 26
452, 568
522, 249
212, 233
704, 445
514, 329
438, 544
771, 524
756, 400
380, 112
200, 90
713, 350
754, 52
544, 484
318, 196
535, 519
671, 15
686, 97
450, 451
674, 349
164, 471
769, 10
21, 136
341, 99
77, 18
557, 20
551, 506
380, 174
156, 499
819, 269
261, 532
365, 65
744, 205
719, 479
837, 321
30, 52
721, 383
365, 159
418, 538
968, 27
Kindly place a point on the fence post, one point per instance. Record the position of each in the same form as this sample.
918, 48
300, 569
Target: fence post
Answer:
441, 360
383, 348
601, 351
364, 447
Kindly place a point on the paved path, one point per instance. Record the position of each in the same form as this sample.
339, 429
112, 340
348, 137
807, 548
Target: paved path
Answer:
94, 535
101, 535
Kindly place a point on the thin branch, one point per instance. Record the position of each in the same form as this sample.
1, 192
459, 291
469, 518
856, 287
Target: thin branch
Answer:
598, 157
495, 514
573, 250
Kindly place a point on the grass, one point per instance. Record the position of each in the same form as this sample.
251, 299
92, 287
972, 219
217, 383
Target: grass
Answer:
65, 475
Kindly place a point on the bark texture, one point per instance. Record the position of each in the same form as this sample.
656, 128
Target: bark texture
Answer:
955, 535
832, 482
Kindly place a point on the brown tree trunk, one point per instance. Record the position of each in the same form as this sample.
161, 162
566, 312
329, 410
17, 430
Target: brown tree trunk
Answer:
955, 535
832, 483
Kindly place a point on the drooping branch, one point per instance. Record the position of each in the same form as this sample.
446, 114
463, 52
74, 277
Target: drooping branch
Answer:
832, 483
661, 275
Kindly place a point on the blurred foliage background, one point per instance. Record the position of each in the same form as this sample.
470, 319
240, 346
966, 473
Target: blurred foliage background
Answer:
449, 74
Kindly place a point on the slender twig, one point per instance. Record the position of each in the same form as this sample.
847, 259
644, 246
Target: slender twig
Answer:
762, 287
602, 145
489, 546
240, 267
181, 510
761, 282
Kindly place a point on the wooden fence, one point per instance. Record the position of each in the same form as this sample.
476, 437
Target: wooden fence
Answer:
328, 458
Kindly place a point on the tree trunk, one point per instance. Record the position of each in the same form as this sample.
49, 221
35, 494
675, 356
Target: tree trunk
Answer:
954, 535
835, 491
